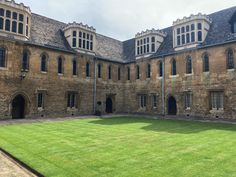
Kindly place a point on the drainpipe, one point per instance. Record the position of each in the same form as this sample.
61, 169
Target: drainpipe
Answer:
95, 86
163, 86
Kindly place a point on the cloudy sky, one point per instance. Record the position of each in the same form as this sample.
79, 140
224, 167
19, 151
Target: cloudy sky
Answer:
122, 19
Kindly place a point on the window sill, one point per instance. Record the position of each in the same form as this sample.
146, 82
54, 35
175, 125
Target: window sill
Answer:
217, 111
4, 68
206, 73
40, 109
188, 75
44, 72
160, 78
174, 76
230, 70
59, 74
71, 109
74, 76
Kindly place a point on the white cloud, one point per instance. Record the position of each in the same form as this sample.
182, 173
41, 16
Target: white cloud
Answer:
122, 19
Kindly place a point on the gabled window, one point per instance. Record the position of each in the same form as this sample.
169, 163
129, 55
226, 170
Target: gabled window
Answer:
148, 71
99, 70
173, 67
109, 72
60, 65
25, 61
230, 59
128, 73
160, 69
137, 72
74, 67
188, 65
217, 100
44, 63
205, 63
87, 70
2, 57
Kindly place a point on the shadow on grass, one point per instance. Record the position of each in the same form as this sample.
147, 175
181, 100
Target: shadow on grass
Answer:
169, 126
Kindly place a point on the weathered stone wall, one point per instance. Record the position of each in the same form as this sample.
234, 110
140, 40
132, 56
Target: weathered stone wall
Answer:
56, 85
199, 83
124, 93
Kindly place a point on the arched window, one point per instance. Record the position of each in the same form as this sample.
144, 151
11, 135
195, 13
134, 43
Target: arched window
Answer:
199, 34
14, 26
99, 70
74, 67
173, 67
60, 65
44, 63
148, 71
189, 65
7, 25
20, 28
2, 57
230, 59
119, 74
109, 72
205, 63
160, 69
25, 61
1, 23
87, 70
128, 73
137, 72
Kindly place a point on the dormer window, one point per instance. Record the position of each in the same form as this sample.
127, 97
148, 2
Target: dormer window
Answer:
148, 42
80, 37
189, 32
234, 30
233, 23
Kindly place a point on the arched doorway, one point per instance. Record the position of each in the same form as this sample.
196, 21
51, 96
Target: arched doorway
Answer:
109, 108
172, 107
18, 107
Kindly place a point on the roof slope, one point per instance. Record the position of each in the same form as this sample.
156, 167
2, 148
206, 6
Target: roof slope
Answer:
48, 32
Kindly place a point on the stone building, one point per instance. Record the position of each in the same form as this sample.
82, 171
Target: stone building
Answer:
52, 69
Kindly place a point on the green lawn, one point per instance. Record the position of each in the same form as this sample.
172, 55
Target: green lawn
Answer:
124, 147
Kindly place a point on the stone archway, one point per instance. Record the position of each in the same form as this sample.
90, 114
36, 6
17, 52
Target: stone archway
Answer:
18, 107
172, 106
109, 105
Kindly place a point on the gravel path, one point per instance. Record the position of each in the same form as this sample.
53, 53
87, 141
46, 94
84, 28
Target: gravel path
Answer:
8, 168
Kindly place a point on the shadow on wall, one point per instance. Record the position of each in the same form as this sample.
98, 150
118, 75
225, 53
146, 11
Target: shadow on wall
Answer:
168, 126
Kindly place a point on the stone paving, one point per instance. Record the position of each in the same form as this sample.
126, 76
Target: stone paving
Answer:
8, 168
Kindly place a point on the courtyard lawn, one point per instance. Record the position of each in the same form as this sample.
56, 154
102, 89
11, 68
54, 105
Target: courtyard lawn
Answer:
124, 147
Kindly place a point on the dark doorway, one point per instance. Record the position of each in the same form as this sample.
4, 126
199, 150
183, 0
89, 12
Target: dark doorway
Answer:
18, 107
172, 107
109, 105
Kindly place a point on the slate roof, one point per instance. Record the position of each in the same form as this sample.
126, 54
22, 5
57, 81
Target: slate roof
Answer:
48, 33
